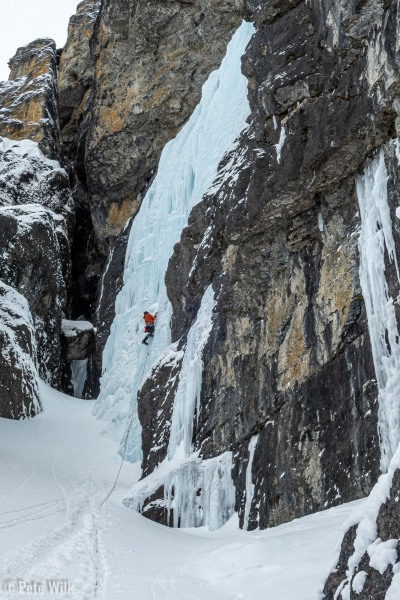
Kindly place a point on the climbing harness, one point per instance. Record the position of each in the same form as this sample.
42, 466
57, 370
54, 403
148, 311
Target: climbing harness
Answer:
126, 437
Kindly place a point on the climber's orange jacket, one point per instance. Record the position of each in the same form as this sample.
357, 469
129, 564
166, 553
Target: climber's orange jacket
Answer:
148, 318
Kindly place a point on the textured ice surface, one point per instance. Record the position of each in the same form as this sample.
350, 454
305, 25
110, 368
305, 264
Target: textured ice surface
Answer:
376, 241
187, 397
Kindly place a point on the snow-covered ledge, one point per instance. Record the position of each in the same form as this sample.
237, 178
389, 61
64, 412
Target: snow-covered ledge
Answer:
78, 339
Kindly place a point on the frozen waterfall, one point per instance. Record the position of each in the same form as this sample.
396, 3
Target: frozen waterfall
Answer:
196, 492
376, 242
187, 168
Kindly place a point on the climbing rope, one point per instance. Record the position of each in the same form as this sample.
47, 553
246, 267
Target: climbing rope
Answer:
126, 437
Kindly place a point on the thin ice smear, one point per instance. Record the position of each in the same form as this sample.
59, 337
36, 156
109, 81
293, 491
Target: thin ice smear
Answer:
281, 142
249, 481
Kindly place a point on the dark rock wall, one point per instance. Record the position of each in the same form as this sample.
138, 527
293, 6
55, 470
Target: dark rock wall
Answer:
75, 81
110, 284
289, 356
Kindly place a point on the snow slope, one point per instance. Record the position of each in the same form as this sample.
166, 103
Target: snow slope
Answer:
56, 469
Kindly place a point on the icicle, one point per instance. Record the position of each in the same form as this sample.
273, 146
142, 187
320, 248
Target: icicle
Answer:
376, 237
79, 373
249, 482
280, 144
201, 493
189, 388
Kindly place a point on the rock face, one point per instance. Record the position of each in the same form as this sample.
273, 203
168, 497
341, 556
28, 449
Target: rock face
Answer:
289, 353
75, 83
36, 218
78, 339
147, 83
128, 83
76, 80
28, 101
111, 284
19, 393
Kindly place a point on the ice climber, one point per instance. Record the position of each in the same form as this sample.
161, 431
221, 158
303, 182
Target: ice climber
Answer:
149, 327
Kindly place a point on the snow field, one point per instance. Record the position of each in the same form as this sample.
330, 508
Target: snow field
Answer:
55, 471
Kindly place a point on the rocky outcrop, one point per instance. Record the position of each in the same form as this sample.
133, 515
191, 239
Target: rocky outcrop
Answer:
29, 100
19, 392
289, 353
76, 80
36, 205
78, 339
36, 219
111, 284
147, 83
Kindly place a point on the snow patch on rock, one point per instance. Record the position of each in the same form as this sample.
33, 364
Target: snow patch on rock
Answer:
19, 381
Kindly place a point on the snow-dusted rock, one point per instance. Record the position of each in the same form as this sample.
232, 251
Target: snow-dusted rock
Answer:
19, 392
78, 339
36, 219
29, 100
369, 563
28, 177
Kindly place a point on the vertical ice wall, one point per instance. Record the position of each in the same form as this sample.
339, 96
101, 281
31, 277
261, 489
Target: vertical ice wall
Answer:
201, 492
187, 168
376, 242
187, 397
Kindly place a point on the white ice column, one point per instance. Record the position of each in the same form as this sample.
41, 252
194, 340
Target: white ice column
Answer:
376, 242
249, 481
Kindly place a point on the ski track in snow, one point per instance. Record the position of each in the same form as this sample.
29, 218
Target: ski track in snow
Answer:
55, 471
